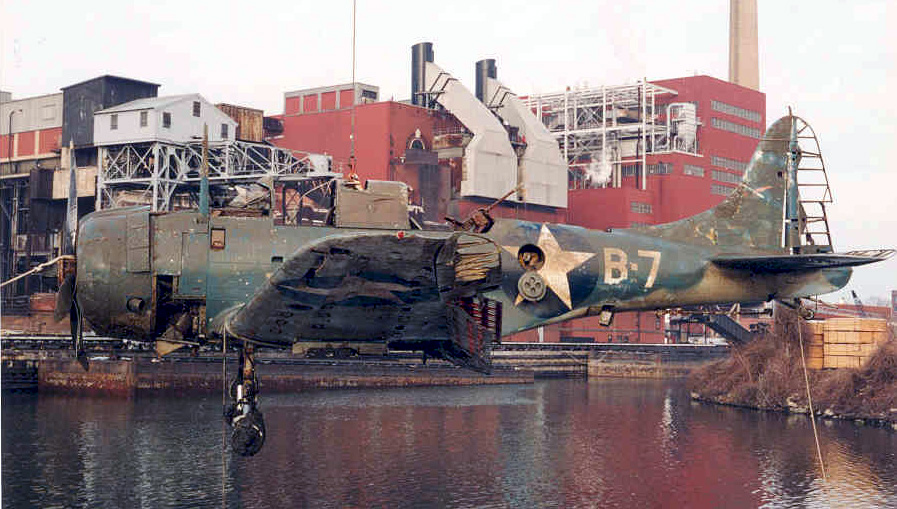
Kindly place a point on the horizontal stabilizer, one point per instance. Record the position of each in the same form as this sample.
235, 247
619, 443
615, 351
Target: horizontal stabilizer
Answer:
792, 263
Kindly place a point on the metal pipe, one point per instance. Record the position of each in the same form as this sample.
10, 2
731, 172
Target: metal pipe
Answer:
204, 175
421, 53
484, 69
9, 141
354, 89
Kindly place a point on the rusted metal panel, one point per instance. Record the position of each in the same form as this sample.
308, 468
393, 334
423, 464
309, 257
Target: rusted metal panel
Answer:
186, 374
41, 184
43, 301
138, 242
167, 243
420, 156
194, 263
380, 205
250, 121
67, 375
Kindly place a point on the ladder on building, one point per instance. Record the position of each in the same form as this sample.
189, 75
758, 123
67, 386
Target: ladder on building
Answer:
814, 192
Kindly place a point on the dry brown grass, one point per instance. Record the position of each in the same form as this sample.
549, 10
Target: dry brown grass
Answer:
767, 373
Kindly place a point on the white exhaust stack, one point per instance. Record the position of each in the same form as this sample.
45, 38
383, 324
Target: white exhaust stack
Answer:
490, 163
542, 170
744, 66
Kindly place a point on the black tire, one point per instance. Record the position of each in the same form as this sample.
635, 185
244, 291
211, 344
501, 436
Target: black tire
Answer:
248, 436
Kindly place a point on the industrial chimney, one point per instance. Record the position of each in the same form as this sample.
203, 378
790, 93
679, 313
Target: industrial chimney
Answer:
421, 53
744, 67
484, 69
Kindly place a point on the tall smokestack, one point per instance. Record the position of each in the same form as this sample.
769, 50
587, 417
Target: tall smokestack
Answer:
744, 67
421, 53
484, 69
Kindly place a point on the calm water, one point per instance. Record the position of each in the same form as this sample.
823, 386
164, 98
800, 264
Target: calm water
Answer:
552, 444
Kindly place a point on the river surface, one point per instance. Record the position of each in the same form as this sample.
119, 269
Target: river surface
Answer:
604, 443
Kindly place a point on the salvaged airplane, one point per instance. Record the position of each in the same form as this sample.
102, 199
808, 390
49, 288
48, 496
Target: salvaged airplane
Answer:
362, 274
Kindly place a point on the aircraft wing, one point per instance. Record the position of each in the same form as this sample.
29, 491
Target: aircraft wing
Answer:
792, 263
397, 286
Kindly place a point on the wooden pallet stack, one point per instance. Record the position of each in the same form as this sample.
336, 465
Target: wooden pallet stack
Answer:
815, 344
849, 342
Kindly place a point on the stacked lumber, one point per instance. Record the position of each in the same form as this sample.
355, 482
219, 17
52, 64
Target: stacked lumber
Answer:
849, 342
815, 345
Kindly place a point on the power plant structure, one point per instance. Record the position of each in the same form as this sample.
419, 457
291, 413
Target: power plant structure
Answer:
614, 156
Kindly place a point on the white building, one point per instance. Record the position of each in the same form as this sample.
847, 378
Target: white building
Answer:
173, 119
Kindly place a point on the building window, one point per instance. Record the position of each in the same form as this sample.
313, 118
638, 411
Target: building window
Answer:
722, 107
48, 112
720, 189
638, 224
630, 170
144, 118
728, 163
695, 171
196, 108
732, 127
113, 121
166, 119
223, 131
660, 169
640, 208
724, 176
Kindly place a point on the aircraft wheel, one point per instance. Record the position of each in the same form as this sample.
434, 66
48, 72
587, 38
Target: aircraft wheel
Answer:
248, 436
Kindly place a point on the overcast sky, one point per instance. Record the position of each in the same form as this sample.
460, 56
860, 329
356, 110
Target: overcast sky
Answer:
833, 61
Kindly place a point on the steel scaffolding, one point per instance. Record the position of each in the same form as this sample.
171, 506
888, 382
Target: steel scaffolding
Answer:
166, 175
605, 133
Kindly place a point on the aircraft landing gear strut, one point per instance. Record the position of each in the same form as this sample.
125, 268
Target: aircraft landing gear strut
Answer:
798, 306
243, 414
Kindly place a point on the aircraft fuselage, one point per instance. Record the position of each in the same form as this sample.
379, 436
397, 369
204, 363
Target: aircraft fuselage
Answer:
139, 272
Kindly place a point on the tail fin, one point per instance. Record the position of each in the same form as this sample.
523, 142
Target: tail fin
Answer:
752, 217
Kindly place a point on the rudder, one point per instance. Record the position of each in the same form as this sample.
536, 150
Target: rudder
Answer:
752, 217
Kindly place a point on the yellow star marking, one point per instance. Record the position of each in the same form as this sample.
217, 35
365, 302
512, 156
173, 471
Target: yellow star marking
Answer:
557, 264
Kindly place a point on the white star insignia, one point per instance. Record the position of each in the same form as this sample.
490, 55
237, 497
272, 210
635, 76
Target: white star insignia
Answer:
557, 264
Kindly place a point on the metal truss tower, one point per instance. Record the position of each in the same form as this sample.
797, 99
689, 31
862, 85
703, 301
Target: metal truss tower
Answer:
606, 133
166, 175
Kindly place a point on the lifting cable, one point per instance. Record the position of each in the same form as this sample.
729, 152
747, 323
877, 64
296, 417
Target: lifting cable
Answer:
223, 421
37, 269
803, 361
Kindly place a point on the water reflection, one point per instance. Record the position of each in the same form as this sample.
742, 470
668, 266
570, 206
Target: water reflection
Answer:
561, 443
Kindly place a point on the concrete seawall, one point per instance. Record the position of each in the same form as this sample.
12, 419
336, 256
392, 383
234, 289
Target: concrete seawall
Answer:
607, 359
130, 374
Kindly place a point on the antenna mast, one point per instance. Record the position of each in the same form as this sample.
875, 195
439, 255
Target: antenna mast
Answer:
354, 87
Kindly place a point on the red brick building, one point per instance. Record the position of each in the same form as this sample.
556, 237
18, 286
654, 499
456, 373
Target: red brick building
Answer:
393, 141
731, 120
